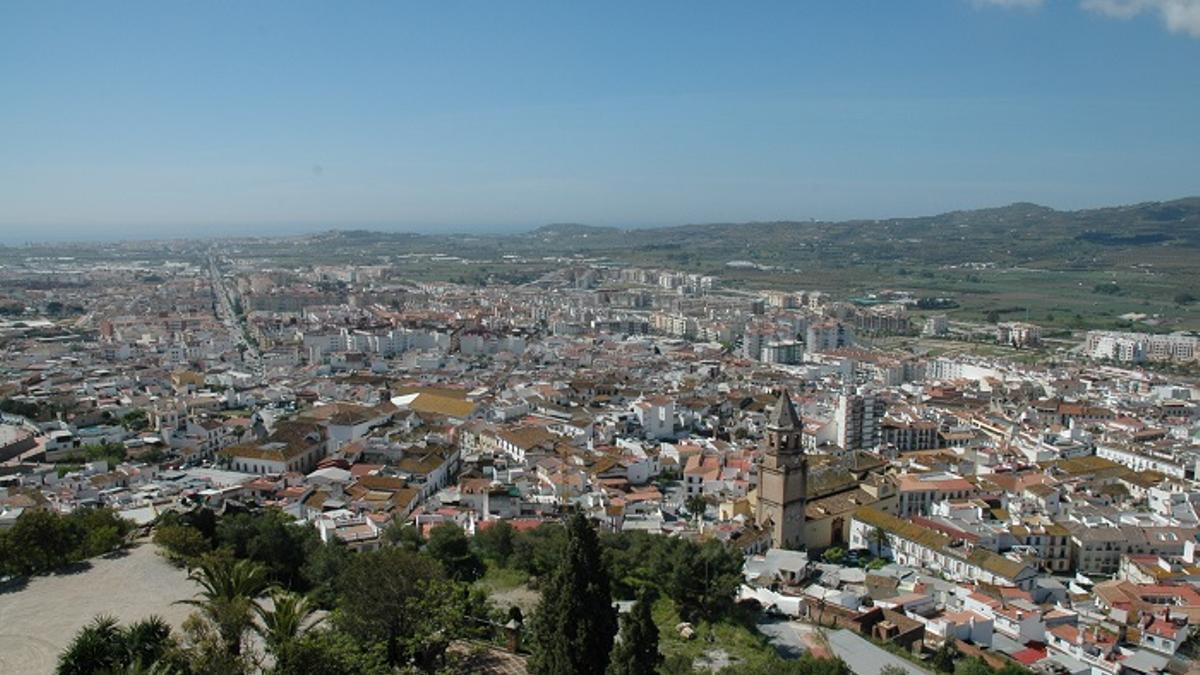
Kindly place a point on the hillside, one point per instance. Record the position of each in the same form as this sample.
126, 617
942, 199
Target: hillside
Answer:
1071, 269
1025, 234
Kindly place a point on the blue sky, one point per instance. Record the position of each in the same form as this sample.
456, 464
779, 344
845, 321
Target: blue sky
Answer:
164, 118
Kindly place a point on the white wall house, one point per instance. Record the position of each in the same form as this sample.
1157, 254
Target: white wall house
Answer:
911, 544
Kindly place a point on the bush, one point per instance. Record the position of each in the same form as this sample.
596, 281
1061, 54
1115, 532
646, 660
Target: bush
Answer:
329, 652
136, 420
944, 658
113, 453
181, 543
43, 541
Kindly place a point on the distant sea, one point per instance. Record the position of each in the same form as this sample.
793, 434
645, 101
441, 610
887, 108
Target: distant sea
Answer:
24, 236
11, 235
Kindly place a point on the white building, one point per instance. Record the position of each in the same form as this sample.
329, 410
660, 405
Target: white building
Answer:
656, 414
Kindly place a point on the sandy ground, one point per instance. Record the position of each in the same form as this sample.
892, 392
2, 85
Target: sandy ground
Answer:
38, 620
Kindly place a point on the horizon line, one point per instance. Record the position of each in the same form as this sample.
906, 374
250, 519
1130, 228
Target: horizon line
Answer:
480, 230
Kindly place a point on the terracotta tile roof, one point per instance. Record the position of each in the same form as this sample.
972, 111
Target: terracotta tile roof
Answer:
360, 470
381, 483
438, 404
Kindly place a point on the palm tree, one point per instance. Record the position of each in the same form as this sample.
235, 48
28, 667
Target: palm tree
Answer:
156, 668
97, 647
104, 647
878, 537
290, 616
146, 641
228, 597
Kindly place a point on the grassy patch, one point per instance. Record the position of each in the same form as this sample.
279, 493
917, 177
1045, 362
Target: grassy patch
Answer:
744, 646
498, 579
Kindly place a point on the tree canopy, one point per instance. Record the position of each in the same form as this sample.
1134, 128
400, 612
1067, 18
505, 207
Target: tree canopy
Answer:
575, 623
382, 597
449, 545
637, 651
42, 541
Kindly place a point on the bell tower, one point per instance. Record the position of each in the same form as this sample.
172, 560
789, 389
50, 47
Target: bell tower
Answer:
783, 477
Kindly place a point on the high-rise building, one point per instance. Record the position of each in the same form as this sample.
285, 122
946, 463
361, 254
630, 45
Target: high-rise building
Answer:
783, 478
788, 352
752, 343
936, 325
1019, 335
828, 336
859, 419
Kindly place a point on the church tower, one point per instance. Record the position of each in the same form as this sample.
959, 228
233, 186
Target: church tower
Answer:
783, 478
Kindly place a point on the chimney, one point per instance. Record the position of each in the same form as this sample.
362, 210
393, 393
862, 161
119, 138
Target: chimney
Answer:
512, 631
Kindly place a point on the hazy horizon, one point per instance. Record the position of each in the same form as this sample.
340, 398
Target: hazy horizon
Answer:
201, 232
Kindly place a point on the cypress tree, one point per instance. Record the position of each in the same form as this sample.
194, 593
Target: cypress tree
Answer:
637, 652
575, 623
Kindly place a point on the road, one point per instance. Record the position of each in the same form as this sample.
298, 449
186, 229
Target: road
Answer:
865, 658
788, 637
234, 322
793, 639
